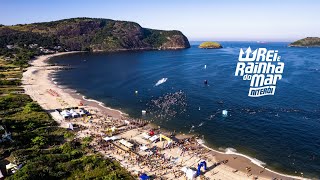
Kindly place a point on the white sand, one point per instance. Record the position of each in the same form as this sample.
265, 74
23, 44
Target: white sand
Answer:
37, 83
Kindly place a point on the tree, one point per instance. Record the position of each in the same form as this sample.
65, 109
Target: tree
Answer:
32, 106
39, 141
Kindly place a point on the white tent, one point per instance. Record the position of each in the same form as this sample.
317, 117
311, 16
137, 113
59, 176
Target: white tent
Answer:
126, 121
82, 112
143, 148
10, 166
112, 138
126, 143
65, 114
145, 136
70, 126
184, 169
113, 129
154, 138
115, 138
190, 174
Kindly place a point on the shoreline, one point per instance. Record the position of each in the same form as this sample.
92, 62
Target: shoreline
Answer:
40, 64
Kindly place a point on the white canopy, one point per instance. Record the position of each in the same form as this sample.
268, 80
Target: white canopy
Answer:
113, 128
184, 169
70, 126
145, 136
153, 138
191, 174
65, 113
112, 138
126, 143
143, 148
126, 121
75, 114
10, 166
82, 113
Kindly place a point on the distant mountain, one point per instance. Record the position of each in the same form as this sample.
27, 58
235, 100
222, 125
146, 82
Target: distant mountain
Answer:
306, 42
92, 34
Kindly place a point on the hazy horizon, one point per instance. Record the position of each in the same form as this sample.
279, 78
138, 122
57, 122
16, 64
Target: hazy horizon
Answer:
231, 20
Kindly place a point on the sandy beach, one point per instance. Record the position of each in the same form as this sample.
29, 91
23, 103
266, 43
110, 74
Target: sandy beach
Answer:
169, 158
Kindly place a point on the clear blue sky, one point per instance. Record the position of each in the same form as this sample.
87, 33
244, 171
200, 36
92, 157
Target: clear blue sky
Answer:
269, 20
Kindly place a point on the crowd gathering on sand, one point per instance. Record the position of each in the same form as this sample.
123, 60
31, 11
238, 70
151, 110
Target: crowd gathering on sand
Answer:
161, 158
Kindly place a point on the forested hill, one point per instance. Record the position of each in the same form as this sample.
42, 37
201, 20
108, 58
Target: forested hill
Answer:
307, 42
90, 34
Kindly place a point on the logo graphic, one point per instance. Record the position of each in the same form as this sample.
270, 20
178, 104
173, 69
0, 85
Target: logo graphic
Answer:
262, 68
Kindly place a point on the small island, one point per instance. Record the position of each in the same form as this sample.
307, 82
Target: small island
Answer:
306, 42
210, 45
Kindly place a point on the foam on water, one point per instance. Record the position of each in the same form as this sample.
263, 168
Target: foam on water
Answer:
101, 104
253, 160
161, 81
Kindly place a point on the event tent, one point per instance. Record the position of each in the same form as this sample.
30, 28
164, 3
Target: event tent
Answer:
145, 136
126, 143
190, 174
144, 177
143, 148
112, 138
10, 166
154, 138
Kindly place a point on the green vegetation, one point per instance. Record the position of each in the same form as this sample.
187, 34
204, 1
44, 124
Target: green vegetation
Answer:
307, 42
210, 45
89, 34
45, 150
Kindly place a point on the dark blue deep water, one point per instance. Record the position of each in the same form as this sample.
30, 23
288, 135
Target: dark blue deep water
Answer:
281, 130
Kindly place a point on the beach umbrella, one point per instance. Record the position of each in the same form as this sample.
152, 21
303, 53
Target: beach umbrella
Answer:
151, 132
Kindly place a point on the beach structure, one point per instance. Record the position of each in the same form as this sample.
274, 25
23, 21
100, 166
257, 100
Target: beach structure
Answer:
200, 165
127, 122
70, 126
145, 136
65, 114
144, 177
11, 168
154, 138
81, 112
143, 148
163, 137
126, 143
112, 138
190, 174
74, 114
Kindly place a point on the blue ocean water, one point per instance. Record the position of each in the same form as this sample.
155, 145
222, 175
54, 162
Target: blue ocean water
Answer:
281, 130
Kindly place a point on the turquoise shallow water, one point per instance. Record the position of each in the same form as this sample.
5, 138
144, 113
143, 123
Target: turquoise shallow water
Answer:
282, 131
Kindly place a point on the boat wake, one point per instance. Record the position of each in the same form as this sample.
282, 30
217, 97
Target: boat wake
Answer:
161, 81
